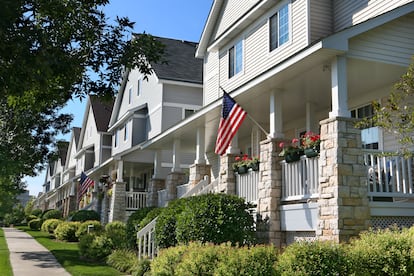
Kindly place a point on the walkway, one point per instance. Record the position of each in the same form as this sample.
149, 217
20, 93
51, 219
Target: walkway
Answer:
28, 257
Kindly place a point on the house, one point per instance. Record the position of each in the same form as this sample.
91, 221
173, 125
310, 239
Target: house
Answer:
295, 67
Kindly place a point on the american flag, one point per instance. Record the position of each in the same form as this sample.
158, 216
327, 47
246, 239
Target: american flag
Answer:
85, 183
232, 115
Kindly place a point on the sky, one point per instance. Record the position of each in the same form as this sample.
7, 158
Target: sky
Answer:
177, 19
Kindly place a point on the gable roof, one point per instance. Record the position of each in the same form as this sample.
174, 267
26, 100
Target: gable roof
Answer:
102, 110
62, 147
76, 134
182, 65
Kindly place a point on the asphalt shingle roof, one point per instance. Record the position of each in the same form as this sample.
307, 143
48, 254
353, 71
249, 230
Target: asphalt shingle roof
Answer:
102, 111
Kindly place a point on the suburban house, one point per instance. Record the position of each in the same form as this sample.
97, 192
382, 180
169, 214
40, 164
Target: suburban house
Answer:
296, 67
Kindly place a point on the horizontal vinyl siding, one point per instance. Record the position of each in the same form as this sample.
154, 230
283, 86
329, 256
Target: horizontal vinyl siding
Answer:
211, 78
391, 43
232, 10
320, 19
257, 57
348, 13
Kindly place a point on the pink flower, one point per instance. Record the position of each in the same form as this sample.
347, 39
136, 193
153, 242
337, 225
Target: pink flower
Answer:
237, 158
281, 145
295, 140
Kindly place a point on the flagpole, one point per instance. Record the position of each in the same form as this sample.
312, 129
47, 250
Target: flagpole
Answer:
251, 118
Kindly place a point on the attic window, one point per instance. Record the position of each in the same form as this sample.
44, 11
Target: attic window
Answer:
139, 87
130, 95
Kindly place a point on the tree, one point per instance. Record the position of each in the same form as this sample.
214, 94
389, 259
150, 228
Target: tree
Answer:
53, 51
396, 116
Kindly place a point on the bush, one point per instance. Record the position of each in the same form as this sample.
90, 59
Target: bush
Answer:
36, 212
123, 260
167, 260
132, 223
95, 246
52, 214
83, 227
66, 231
84, 215
30, 217
313, 258
142, 267
50, 225
215, 218
382, 252
116, 231
35, 224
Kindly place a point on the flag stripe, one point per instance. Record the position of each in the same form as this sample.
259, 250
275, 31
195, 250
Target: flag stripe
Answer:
84, 184
231, 120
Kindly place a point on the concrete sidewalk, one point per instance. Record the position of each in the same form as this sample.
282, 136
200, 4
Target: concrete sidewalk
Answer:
28, 257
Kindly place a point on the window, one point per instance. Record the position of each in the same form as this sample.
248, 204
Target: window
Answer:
116, 138
236, 59
369, 135
130, 95
188, 112
279, 27
125, 132
139, 87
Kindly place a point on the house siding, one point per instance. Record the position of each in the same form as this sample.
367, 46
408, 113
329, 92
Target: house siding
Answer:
232, 10
257, 57
349, 13
211, 78
392, 43
320, 19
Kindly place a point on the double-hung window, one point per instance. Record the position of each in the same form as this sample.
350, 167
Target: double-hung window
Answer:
236, 59
279, 27
370, 135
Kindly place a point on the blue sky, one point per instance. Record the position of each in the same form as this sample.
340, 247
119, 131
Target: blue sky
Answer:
178, 19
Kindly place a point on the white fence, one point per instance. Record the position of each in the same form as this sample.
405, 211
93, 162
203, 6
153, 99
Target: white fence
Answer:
247, 186
146, 241
135, 200
389, 175
300, 180
162, 198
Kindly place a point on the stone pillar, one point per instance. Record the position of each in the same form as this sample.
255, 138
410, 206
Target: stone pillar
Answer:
197, 173
227, 179
343, 201
173, 180
118, 206
155, 185
270, 191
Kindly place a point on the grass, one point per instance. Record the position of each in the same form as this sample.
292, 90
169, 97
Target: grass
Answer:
67, 254
5, 266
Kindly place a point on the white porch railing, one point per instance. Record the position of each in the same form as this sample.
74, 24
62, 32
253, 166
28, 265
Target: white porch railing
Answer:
247, 186
390, 176
135, 200
300, 180
146, 241
162, 198
183, 189
202, 187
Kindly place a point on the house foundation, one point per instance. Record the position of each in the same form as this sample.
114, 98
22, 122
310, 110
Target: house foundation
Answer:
173, 180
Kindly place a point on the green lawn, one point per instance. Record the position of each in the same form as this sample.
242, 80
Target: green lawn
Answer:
67, 255
5, 267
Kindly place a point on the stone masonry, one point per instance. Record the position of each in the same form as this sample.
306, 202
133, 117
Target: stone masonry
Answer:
227, 179
118, 206
173, 180
197, 173
343, 202
155, 185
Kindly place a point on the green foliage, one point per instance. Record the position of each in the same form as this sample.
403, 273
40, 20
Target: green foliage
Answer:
123, 260
132, 223
167, 260
36, 212
50, 225
35, 224
83, 227
52, 214
383, 252
313, 258
150, 217
142, 268
29, 207
95, 246
116, 231
5, 266
66, 231
84, 215
16, 216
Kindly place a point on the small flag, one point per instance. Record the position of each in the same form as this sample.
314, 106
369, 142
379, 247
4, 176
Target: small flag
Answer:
232, 115
85, 183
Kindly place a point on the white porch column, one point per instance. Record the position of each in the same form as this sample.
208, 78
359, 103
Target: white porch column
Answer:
176, 156
120, 172
276, 119
200, 146
234, 145
131, 180
310, 118
339, 88
157, 164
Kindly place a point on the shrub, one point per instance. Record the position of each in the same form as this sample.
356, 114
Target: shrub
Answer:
150, 216
142, 267
35, 224
123, 260
52, 214
382, 252
50, 225
84, 215
83, 227
131, 226
66, 231
215, 218
313, 258
36, 212
116, 231
30, 217
167, 260
95, 246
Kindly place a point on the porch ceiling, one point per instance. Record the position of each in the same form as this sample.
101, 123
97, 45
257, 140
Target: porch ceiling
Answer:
306, 81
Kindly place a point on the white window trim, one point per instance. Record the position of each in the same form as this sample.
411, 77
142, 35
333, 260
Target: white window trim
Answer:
289, 42
242, 40
126, 133
130, 95
139, 88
